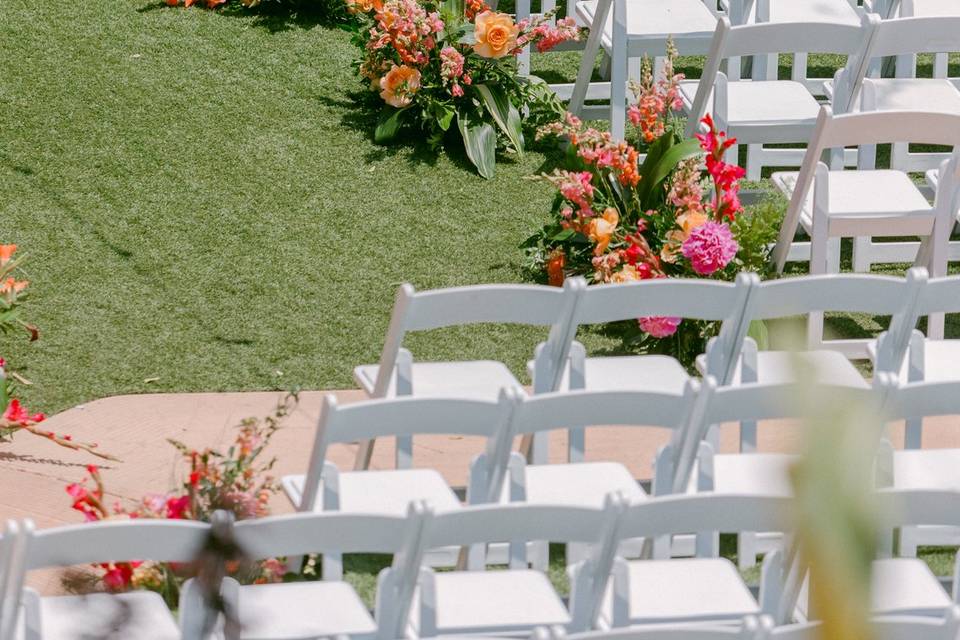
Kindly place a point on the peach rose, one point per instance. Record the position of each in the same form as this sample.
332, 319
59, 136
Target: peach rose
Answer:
399, 85
688, 222
496, 34
600, 230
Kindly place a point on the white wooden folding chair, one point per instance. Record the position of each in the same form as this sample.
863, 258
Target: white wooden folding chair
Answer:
327, 608
326, 488
702, 589
587, 484
765, 110
398, 375
629, 30
747, 630
935, 33
812, 296
518, 600
929, 359
831, 203
931, 9
916, 468
134, 614
696, 299
884, 628
902, 585
803, 11
750, 471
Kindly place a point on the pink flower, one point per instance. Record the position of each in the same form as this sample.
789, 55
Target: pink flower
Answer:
710, 247
659, 326
117, 576
178, 508
15, 413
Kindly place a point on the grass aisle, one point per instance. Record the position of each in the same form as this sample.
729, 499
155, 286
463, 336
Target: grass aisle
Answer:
204, 206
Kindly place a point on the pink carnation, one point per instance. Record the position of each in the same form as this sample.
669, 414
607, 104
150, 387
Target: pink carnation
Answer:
710, 248
659, 326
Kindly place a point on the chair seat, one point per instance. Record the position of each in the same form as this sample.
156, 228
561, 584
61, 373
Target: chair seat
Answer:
927, 8
302, 610
479, 379
940, 359
887, 196
582, 484
753, 473
907, 586
496, 601
831, 367
810, 11
916, 94
138, 614
385, 492
927, 469
690, 589
623, 373
762, 103
656, 20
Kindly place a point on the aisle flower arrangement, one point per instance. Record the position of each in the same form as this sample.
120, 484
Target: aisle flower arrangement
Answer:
675, 214
238, 481
448, 67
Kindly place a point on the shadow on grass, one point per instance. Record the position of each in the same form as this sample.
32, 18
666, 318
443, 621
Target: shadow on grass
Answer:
277, 16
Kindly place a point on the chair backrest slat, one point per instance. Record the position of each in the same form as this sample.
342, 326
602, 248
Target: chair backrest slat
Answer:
703, 513
793, 37
679, 297
939, 34
576, 409
919, 506
116, 541
941, 295
494, 303
331, 532
852, 293
924, 399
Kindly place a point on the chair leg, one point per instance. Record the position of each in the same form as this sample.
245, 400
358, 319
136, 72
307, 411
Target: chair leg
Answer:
618, 93
746, 550
862, 249
754, 161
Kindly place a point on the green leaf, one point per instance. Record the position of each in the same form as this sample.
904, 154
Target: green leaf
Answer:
444, 116
504, 113
662, 165
469, 35
562, 235
388, 125
758, 331
480, 143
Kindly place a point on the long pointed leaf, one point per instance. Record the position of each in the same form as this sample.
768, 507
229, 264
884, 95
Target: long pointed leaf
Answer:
504, 114
480, 143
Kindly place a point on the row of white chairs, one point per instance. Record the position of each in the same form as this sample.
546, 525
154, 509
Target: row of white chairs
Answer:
561, 363
607, 590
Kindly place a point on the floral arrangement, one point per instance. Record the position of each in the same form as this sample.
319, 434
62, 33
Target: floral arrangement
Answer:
676, 213
448, 66
14, 416
236, 481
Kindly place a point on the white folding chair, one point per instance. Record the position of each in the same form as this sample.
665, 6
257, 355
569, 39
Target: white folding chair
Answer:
746, 631
520, 599
765, 110
928, 9
750, 471
398, 375
928, 359
906, 586
936, 33
802, 11
587, 484
915, 468
326, 488
812, 296
635, 29
701, 589
868, 202
885, 628
314, 609
696, 299
139, 614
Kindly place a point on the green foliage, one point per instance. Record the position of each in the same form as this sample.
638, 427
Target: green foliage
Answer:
755, 230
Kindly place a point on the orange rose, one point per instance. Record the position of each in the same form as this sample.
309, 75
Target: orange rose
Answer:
600, 230
364, 6
496, 34
399, 85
